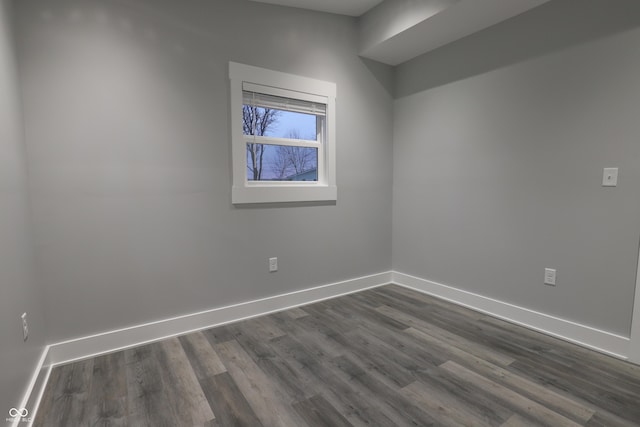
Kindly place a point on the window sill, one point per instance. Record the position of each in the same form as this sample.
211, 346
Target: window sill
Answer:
284, 194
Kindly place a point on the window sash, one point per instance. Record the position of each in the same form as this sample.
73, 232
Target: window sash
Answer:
268, 140
314, 165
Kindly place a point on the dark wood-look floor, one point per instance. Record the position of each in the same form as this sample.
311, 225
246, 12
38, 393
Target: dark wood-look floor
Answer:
383, 357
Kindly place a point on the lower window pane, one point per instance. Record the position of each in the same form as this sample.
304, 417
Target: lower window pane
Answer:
281, 163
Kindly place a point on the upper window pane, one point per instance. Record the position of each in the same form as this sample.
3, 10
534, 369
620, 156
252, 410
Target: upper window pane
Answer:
262, 121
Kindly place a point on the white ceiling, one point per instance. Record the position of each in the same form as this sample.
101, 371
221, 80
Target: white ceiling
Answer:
342, 7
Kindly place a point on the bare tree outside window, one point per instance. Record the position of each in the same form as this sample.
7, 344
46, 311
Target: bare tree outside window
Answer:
279, 162
257, 121
291, 160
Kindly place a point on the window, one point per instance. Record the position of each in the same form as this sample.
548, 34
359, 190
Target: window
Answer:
283, 137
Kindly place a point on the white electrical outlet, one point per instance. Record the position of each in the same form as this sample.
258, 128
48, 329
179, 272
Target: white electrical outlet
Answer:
273, 264
610, 177
25, 327
550, 276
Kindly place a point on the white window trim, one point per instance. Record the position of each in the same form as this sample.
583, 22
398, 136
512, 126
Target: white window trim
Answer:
244, 191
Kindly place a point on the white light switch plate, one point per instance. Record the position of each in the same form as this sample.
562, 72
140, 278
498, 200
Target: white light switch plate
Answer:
273, 264
610, 177
550, 276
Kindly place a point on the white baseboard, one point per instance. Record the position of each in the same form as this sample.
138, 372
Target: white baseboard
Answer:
35, 389
107, 342
586, 336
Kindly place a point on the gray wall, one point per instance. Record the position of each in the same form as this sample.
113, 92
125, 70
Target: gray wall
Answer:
499, 144
17, 279
127, 108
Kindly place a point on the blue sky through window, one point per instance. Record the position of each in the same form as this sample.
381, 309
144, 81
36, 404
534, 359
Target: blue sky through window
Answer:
284, 162
287, 122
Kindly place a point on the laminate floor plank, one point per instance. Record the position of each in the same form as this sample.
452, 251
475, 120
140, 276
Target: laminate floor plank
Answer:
426, 300
321, 318
454, 323
572, 408
406, 412
68, 400
518, 421
316, 411
253, 342
342, 380
350, 308
388, 356
262, 327
590, 390
433, 306
572, 352
448, 338
337, 389
562, 355
107, 401
270, 404
384, 358
47, 415
399, 370
202, 357
444, 407
386, 333
532, 409
146, 394
547, 396
220, 334
472, 402
606, 419
376, 378
184, 394
313, 331
400, 344
296, 313
228, 402
276, 368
